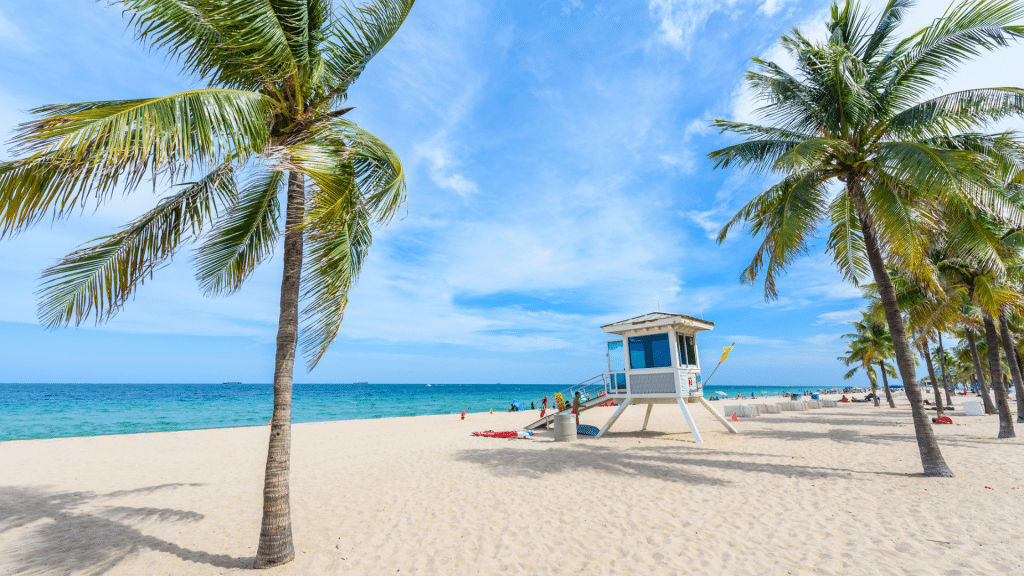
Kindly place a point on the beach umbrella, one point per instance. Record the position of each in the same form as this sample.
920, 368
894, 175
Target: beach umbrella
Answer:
720, 392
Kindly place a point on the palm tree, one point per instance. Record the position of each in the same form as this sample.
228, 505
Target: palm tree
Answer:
931, 375
943, 360
870, 342
1011, 359
858, 112
979, 371
267, 121
983, 292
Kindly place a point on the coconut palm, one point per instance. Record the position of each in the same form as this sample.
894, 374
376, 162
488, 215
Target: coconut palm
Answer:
859, 111
267, 121
987, 296
869, 343
944, 359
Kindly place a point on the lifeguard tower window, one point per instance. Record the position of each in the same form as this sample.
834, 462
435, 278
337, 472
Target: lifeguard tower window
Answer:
616, 361
687, 354
649, 351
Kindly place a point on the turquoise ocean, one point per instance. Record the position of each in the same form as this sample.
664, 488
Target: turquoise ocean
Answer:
31, 411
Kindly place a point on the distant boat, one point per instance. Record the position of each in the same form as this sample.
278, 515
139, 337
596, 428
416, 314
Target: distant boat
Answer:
360, 382
428, 384
232, 382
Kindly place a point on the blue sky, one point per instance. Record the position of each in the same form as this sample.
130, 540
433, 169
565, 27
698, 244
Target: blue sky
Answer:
555, 153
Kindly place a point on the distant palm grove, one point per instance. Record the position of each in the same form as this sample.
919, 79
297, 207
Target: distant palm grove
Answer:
923, 207
922, 198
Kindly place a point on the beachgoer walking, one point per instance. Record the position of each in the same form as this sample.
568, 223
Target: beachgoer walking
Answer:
543, 406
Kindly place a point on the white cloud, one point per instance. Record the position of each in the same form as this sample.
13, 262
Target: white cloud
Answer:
568, 5
770, 7
757, 341
822, 340
840, 316
705, 219
680, 20
441, 166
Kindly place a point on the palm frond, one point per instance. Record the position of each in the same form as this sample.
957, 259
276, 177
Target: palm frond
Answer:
336, 254
243, 238
356, 37
965, 31
846, 241
786, 214
958, 111
98, 279
888, 21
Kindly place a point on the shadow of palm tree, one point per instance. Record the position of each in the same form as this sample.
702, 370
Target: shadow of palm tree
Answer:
66, 540
667, 463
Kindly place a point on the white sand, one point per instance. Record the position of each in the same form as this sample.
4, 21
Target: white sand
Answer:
831, 491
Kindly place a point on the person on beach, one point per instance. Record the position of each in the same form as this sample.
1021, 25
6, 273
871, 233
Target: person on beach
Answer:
543, 406
576, 407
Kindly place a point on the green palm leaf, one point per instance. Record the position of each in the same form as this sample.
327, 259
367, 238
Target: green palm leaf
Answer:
336, 255
243, 238
97, 279
963, 33
357, 37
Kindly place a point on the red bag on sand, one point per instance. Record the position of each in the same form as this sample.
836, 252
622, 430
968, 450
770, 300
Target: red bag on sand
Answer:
943, 420
734, 418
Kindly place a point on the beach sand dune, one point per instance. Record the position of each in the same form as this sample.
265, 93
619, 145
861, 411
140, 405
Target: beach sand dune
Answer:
832, 491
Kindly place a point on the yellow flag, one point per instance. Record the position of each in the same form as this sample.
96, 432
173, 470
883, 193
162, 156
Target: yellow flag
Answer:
725, 352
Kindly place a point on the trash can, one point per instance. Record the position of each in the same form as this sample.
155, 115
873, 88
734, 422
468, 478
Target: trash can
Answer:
565, 427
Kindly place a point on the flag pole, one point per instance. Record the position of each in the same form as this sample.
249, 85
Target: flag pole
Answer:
725, 354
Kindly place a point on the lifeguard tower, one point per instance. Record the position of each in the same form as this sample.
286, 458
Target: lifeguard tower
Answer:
654, 361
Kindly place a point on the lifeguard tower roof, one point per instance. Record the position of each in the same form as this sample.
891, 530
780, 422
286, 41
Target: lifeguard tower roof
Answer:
656, 321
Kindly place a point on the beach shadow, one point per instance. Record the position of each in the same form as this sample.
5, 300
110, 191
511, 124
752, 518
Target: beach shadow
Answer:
669, 463
66, 540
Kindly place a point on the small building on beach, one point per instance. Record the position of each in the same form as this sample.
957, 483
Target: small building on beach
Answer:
654, 360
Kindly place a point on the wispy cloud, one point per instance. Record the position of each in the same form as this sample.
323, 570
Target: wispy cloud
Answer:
770, 7
679, 21
840, 316
11, 36
757, 341
442, 167
822, 339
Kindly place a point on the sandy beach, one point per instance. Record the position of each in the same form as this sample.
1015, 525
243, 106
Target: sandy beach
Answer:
831, 491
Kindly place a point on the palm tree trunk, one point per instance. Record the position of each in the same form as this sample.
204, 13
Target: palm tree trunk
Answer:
990, 408
945, 376
885, 383
995, 367
1011, 358
931, 374
275, 546
1020, 364
931, 456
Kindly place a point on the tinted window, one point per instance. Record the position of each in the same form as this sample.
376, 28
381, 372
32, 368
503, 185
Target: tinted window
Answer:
616, 360
649, 351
